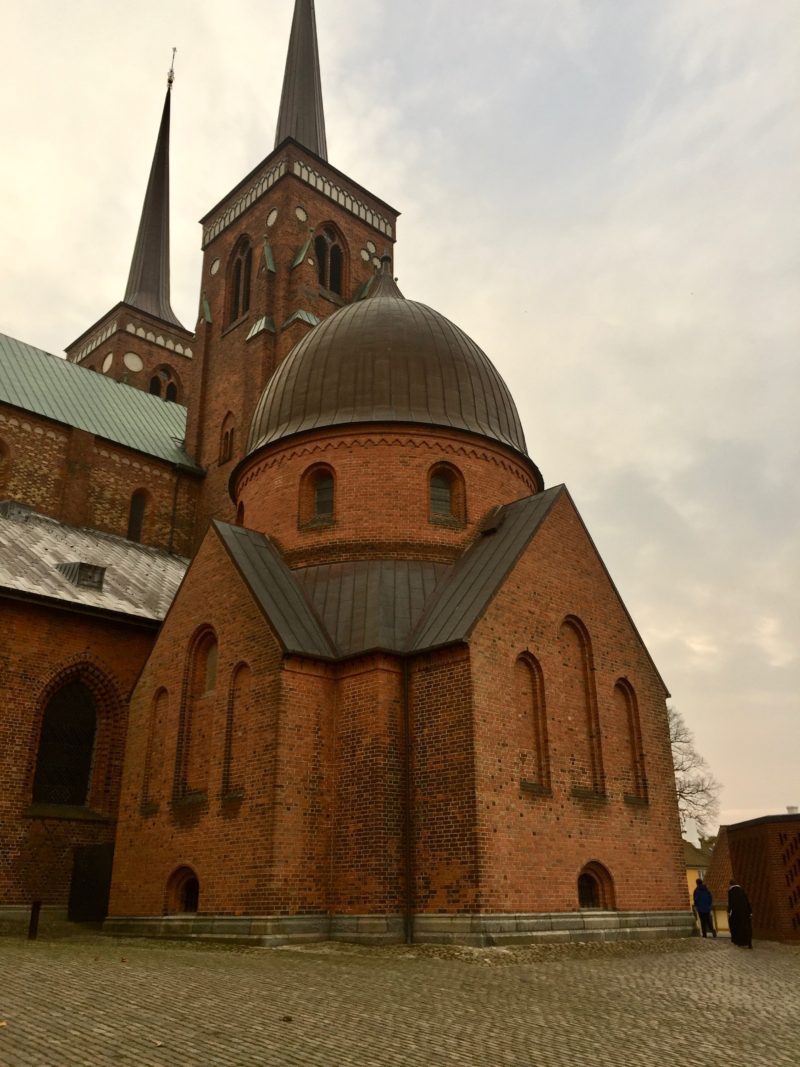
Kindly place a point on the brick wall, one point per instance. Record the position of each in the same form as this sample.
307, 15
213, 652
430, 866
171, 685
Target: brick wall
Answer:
381, 496
83, 480
765, 860
40, 650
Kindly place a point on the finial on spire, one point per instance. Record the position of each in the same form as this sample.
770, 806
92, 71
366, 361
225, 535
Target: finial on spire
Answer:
383, 283
148, 281
171, 75
301, 115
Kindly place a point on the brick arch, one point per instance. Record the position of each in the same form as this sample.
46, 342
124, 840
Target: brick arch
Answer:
579, 708
198, 691
182, 892
447, 494
628, 722
166, 383
109, 739
5, 467
532, 715
138, 506
596, 887
227, 434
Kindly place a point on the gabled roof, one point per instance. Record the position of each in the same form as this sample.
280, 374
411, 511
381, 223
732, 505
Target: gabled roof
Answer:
275, 590
43, 384
462, 599
139, 581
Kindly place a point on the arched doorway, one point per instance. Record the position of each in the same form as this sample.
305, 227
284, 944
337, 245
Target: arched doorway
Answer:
595, 888
183, 892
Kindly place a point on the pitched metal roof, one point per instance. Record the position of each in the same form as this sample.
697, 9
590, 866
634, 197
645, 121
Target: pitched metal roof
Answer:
44, 384
148, 281
139, 581
370, 604
463, 597
301, 115
279, 596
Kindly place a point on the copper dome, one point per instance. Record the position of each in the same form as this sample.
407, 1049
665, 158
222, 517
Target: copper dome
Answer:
386, 359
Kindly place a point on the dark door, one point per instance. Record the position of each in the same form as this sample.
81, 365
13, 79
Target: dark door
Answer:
91, 883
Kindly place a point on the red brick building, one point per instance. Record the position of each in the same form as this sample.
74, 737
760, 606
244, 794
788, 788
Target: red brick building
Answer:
396, 694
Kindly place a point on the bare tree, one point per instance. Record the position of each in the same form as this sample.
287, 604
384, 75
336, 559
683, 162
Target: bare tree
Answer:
697, 788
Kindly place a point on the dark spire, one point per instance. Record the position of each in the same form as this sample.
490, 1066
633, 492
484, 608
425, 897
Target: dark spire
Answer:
148, 282
301, 116
383, 283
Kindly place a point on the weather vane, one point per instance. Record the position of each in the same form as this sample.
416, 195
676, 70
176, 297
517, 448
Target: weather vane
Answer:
171, 75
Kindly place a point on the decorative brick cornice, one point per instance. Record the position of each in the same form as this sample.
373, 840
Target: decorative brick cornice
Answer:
373, 548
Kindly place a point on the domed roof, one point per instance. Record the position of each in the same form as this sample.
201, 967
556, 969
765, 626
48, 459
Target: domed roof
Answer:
386, 359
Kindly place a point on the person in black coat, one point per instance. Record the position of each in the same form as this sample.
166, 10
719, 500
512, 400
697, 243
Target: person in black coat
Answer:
740, 916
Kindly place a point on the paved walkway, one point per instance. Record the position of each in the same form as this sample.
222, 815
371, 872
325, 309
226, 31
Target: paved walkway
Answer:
672, 1004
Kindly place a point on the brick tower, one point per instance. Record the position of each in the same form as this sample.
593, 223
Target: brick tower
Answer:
294, 241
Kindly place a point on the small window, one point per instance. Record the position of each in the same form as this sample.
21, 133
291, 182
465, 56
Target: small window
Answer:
164, 384
136, 515
66, 748
226, 439
240, 514
317, 497
171, 393
330, 260
239, 281
447, 497
155, 385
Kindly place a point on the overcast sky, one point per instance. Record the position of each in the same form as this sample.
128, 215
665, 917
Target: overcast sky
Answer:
602, 193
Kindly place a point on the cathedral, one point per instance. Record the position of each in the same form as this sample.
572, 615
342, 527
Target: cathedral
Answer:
295, 642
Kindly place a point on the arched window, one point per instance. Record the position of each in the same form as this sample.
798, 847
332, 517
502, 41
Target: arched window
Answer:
317, 496
530, 709
226, 439
153, 765
329, 252
236, 731
5, 468
596, 888
239, 277
629, 726
197, 713
66, 747
579, 708
136, 514
240, 514
446, 495
183, 892
164, 383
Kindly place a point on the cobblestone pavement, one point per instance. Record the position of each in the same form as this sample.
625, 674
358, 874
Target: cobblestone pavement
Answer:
672, 1004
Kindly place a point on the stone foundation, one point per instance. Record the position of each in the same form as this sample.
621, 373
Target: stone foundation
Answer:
477, 930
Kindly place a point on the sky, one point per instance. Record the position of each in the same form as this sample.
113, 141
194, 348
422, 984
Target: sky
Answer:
604, 194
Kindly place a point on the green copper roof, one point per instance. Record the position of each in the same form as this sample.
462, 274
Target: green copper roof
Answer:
43, 384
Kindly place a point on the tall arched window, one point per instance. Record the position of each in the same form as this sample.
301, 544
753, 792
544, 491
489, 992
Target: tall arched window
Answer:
239, 278
136, 514
236, 731
317, 496
153, 763
446, 495
629, 725
5, 468
226, 439
197, 712
329, 252
532, 719
66, 747
579, 709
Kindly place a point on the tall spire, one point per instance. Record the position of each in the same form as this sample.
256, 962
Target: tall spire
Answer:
301, 116
148, 282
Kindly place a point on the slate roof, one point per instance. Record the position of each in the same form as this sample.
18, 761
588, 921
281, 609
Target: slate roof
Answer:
43, 384
139, 581
475, 578
275, 590
338, 610
371, 604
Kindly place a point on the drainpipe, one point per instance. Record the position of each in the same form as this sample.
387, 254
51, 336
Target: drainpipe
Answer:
408, 814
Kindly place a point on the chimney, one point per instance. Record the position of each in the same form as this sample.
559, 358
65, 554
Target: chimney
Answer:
792, 809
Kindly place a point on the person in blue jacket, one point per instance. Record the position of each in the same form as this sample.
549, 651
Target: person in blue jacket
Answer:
703, 903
